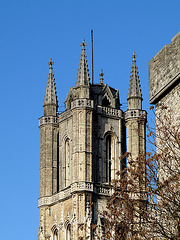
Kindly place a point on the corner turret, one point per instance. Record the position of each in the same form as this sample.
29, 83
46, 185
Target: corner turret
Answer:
135, 117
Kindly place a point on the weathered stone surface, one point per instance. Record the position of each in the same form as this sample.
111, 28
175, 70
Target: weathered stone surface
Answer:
164, 92
164, 70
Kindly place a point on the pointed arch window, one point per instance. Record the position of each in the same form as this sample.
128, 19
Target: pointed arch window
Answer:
58, 162
68, 232
55, 234
111, 164
67, 162
106, 102
108, 157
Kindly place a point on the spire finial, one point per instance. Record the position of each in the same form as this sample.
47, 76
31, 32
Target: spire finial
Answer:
134, 56
50, 65
101, 76
83, 44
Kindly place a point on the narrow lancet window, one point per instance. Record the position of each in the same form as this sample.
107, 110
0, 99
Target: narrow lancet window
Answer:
106, 102
55, 235
58, 162
68, 232
67, 162
108, 158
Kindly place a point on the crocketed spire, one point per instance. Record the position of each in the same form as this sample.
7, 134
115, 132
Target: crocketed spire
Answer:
134, 86
134, 94
83, 72
50, 98
50, 95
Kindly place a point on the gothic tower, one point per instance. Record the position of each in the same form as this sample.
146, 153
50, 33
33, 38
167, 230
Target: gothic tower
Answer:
80, 152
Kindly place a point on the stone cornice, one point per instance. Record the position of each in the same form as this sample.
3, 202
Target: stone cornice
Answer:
73, 188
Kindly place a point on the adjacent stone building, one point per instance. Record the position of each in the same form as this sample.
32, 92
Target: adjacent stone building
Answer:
80, 151
164, 92
164, 77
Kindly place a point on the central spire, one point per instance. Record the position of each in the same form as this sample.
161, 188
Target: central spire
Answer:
83, 72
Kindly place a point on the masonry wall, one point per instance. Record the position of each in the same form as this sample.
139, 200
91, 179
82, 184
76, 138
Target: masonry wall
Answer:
164, 90
164, 72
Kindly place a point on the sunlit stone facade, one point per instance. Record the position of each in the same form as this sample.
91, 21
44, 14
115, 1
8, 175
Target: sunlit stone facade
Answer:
80, 151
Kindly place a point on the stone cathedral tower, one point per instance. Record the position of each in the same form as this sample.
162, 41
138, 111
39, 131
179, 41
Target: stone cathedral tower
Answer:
80, 150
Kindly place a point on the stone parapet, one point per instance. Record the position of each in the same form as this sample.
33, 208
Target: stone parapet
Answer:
48, 120
135, 114
83, 102
113, 112
164, 70
105, 191
64, 115
73, 188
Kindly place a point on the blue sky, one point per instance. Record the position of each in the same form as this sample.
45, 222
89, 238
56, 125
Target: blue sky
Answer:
32, 32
